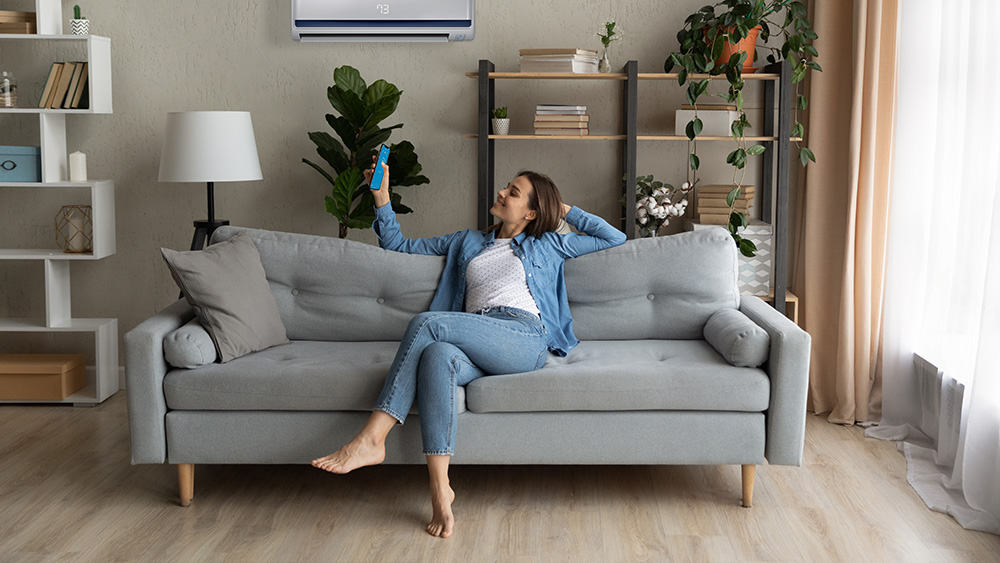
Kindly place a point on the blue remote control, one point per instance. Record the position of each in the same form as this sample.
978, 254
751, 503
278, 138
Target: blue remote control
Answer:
383, 157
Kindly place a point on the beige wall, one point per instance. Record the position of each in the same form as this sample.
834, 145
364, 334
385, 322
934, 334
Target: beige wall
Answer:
186, 55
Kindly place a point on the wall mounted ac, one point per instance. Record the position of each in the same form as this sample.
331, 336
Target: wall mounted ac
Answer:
383, 20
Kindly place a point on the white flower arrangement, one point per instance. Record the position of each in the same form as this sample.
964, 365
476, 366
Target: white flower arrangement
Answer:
655, 204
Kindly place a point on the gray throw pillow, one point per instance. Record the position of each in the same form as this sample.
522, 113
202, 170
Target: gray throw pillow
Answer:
737, 338
226, 286
189, 347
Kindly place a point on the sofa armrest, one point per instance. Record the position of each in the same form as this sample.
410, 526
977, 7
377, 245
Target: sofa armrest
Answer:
788, 370
144, 371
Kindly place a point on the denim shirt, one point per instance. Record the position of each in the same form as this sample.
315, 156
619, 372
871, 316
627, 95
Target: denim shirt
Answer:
542, 257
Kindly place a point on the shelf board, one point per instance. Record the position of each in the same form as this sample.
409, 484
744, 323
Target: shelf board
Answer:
44, 254
61, 185
49, 110
46, 37
622, 138
615, 76
38, 325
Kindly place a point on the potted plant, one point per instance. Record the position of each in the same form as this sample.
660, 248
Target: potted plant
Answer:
607, 37
703, 44
79, 25
501, 124
656, 203
361, 108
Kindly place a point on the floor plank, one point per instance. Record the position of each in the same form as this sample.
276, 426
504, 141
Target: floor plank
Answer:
69, 492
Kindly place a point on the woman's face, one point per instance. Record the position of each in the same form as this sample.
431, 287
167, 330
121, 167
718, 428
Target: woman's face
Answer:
511, 205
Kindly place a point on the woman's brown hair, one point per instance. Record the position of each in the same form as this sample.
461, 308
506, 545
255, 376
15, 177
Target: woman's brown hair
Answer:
545, 200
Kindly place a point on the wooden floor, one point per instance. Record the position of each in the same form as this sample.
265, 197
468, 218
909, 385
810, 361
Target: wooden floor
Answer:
67, 491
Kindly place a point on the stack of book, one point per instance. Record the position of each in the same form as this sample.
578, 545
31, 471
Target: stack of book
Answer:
561, 120
17, 22
558, 60
66, 87
712, 206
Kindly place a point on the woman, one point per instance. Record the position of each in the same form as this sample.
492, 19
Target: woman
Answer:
500, 307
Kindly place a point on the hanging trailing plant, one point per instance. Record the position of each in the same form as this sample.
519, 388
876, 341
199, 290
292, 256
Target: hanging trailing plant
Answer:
361, 107
704, 40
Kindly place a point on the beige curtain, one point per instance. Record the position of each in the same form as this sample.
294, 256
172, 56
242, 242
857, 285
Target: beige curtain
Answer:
844, 207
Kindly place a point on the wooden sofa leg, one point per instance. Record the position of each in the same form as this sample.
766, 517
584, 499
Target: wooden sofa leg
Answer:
185, 479
748, 473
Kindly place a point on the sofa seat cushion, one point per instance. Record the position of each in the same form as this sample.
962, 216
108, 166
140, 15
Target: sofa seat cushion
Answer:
627, 375
300, 376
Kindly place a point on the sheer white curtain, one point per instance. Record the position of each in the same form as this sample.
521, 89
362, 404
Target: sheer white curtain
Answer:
941, 343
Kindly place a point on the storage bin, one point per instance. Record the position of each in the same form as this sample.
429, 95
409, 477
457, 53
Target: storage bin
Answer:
20, 164
41, 377
714, 122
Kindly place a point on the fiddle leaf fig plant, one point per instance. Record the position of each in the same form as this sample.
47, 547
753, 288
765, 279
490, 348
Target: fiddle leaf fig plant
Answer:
703, 39
361, 107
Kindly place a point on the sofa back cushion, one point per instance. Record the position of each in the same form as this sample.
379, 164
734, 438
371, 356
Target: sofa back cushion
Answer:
340, 290
653, 288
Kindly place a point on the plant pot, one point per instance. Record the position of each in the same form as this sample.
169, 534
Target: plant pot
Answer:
501, 126
748, 44
79, 27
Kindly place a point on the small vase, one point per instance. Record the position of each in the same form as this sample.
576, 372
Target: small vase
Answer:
501, 126
79, 27
604, 65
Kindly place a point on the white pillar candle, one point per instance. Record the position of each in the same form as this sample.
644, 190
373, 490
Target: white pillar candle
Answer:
77, 167
77, 241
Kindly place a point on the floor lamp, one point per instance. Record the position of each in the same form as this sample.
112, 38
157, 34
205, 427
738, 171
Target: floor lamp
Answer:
209, 146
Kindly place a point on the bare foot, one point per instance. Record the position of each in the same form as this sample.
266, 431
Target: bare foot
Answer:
443, 521
356, 453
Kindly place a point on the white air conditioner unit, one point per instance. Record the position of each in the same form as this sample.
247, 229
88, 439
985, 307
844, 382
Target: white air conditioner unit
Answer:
383, 20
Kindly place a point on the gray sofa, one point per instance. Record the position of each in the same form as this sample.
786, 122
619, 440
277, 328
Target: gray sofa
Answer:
643, 386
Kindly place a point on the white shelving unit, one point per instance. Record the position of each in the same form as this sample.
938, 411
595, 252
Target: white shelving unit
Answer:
103, 381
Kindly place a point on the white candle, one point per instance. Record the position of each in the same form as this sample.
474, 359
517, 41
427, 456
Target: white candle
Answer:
77, 167
77, 241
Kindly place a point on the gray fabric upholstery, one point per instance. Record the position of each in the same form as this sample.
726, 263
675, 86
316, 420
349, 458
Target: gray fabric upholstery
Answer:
302, 375
145, 368
631, 375
738, 339
340, 290
663, 287
635, 437
226, 285
788, 369
189, 347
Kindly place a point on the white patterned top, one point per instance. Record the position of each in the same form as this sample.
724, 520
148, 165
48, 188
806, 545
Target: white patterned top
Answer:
495, 277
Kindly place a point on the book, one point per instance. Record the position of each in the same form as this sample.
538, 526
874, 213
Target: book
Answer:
713, 219
553, 107
529, 52
80, 94
582, 118
50, 84
577, 67
575, 132
740, 203
17, 28
59, 93
722, 210
74, 82
561, 125
723, 189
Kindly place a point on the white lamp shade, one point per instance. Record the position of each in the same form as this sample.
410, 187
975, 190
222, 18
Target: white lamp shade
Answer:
209, 146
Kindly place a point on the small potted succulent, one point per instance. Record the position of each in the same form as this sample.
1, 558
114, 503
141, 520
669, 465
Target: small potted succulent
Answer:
656, 203
501, 124
607, 37
79, 25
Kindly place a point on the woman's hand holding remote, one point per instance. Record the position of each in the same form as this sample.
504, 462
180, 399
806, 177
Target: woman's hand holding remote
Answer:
382, 193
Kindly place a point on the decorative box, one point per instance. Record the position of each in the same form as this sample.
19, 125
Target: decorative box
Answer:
714, 122
20, 164
41, 377
755, 273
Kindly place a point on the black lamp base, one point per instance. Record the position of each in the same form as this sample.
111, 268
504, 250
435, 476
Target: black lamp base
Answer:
203, 231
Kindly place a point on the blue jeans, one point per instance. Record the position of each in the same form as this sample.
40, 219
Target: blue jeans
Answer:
442, 350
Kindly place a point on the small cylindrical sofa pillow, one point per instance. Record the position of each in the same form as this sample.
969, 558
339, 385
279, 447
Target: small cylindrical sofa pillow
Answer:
737, 338
189, 346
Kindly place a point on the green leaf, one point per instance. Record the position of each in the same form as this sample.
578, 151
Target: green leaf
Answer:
317, 168
739, 100
692, 93
803, 102
381, 99
348, 133
348, 78
805, 155
689, 130
697, 125
732, 195
755, 150
668, 64
797, 129
330, 150
348, 104
375, 136
693, 161
343, 190
814, 65
747, 247
702, 86
731, 157
682, 77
